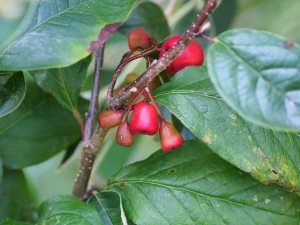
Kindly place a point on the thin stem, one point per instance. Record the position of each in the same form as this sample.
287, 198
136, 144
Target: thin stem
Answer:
92, 140
153, 102
79, 120
132, 104
125, 60
95, 93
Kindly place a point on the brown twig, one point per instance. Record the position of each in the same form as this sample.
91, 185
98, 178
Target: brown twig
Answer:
126, 93
88, 156
127, 58
93, 139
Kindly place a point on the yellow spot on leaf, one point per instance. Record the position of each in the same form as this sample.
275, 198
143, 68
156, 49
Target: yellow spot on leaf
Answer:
255, 198
207, 138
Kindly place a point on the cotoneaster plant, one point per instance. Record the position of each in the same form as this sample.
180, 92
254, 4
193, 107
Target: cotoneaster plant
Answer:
164, 130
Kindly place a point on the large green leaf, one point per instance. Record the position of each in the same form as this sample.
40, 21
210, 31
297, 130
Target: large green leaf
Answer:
150, 17
8, 221
109, 207
194, 186
64, 83
59, 32
64, 209
38, 129
258, 75
268, 155
12, 92
15, 199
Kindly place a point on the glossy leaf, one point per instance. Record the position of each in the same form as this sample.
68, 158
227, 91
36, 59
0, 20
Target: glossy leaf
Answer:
150, 17
109, 207
12, 92
15, 199
64, 83
64, 209
271, 157
194, 186
58, 33
258, 75
37, 130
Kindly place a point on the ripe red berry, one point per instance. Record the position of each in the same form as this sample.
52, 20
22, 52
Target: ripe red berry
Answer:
144, 119
139, 39
110, 118
170, 138
124, 136
191, 56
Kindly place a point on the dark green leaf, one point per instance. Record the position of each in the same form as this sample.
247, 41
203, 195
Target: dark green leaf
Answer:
15, 199
8, 221
37, 130
59, 33
150, 17
109, 207
64, 209
64, 83
226, 10
194, 186
268, 155
258, 75
12, 92
1, 170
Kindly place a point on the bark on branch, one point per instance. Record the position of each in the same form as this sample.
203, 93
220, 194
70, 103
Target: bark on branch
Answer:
156, 68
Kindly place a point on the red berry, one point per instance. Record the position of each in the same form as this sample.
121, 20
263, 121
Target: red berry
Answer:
139, 39
170, 138
144, 119
192, 55
124, 136
110, 118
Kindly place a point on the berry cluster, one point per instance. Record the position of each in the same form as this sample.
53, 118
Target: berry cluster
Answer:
143, 116
145, 119
192, 55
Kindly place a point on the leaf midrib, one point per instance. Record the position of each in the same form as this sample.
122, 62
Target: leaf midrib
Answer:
116, 183
99, 201
259, 75
61, 76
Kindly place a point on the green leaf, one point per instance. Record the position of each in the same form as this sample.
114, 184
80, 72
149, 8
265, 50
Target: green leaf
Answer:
64, 83
109, 207
258, 75
268, 15
149, 17
225, 10
270, 157
15, 199
8, 221
37, 130
58, 33
12, 92
64, 209
194, 186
